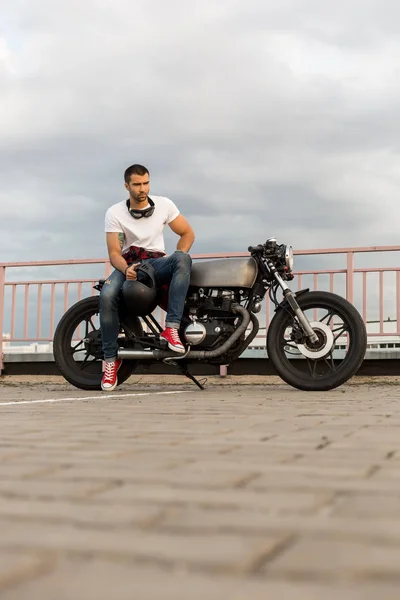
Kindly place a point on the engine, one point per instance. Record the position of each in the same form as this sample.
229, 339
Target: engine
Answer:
209, 320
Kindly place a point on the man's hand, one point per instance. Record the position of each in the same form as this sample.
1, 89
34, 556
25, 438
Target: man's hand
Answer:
130, 272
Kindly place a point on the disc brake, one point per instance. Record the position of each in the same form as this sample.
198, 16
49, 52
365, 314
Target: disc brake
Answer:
322, 347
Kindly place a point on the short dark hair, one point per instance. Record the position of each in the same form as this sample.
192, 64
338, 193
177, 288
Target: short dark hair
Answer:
135, 170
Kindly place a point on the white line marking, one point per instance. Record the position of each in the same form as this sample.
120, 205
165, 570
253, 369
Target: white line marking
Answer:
100, 396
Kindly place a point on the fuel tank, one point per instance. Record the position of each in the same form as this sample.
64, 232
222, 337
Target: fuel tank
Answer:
224, 273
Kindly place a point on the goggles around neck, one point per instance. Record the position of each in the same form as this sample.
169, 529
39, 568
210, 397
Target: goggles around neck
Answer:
137, 213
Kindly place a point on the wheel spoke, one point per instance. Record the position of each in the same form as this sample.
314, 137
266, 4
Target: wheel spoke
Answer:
76, 351
86, 362
341, 330
76, 348
89, 321
312, 366
330, 362
329, 314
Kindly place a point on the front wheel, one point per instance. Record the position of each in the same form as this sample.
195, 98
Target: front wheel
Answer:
334, 358
77, 346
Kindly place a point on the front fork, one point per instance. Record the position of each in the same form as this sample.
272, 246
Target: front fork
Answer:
290, 297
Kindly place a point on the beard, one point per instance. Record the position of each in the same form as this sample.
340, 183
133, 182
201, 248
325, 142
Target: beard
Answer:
140, 199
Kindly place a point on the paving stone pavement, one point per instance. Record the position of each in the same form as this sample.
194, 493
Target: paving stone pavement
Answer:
169, 493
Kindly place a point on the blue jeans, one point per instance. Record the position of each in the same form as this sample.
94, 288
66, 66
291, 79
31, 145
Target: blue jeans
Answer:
174, 270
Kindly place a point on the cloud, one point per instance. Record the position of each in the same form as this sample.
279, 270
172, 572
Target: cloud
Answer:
6, 62
256, 118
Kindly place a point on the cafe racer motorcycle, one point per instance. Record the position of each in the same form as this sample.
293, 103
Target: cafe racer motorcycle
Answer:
316, 340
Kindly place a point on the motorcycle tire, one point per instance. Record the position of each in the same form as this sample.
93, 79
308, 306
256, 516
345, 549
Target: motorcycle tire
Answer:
68, 367
348, 367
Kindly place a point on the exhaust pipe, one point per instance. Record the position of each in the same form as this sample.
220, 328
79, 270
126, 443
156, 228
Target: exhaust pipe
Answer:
136, 354
196, 354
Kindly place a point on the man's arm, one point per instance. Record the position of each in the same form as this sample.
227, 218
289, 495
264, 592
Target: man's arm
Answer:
181, 227
115, 243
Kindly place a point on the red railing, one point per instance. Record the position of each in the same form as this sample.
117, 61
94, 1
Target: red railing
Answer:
34, 317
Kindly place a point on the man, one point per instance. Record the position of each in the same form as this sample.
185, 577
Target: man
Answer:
134, 228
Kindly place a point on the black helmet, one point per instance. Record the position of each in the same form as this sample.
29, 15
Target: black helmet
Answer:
140, 296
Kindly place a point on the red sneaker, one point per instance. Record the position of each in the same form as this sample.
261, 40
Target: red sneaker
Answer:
110, 376
174, 342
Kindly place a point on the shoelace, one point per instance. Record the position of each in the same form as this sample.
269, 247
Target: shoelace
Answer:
109, 370
175, 336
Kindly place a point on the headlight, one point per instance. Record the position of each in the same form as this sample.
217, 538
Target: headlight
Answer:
289, 261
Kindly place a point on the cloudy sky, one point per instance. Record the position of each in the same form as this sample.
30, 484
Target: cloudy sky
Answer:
256, 117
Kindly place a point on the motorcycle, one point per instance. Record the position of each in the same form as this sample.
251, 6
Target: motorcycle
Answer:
316, 340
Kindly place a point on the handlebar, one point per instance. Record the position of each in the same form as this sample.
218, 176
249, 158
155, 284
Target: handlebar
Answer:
255, 249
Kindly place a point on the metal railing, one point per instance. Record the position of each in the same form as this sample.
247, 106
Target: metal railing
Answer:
41, 304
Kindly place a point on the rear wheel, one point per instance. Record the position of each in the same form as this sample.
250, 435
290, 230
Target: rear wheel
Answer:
77, 346
334, 358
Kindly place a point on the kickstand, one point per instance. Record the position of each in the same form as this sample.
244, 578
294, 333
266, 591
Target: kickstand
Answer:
176, 361
184, 370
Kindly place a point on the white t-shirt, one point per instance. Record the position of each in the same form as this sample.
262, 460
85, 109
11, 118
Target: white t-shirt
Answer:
145, 232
